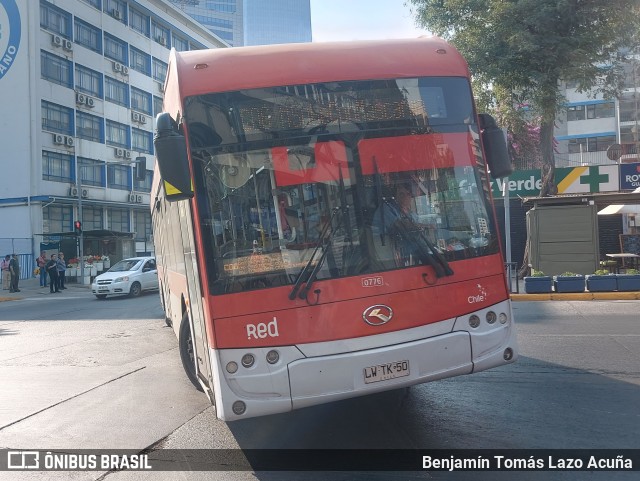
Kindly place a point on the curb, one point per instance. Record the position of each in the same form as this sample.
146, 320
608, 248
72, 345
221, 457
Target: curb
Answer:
579, 296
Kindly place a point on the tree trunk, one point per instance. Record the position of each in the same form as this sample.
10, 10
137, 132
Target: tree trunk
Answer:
547, 124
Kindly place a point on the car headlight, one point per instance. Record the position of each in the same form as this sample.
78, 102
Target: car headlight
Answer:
122, 279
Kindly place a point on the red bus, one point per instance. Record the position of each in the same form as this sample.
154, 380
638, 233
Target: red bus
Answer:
323, 222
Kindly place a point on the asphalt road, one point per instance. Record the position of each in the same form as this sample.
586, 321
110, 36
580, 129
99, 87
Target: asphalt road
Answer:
82, 373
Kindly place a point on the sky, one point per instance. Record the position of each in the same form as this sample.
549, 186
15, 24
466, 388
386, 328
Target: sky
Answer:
337, 20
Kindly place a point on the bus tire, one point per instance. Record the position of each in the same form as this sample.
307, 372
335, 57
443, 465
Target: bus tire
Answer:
186, 351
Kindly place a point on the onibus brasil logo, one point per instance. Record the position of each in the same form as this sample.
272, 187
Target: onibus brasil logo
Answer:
9, 34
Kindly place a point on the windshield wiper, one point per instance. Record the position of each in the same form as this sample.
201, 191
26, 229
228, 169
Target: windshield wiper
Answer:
307, 274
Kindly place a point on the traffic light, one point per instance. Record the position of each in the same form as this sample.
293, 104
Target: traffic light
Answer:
78, 227
140, 169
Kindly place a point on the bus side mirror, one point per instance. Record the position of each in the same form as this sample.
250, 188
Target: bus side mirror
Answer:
173, 162
495, 147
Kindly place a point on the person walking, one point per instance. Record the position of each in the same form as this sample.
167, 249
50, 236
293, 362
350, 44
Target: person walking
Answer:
14, 268
6, 273
42, 262
61, 267
52, 269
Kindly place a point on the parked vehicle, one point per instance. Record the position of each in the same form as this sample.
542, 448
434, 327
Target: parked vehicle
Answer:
127, 277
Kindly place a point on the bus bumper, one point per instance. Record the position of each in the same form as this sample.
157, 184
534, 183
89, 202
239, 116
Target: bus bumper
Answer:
298, 381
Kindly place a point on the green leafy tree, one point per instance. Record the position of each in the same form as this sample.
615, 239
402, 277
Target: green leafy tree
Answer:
527, 47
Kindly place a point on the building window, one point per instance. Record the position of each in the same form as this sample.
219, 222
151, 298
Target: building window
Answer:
139, 22
591, 144
117, 9
56, 69
142, 140
56, 118
94, 3
88, 35
116, 91
157, 105
92, 218
223, 34
142, 221
575, 112
57, 218
55, 19
88, 81
119, 177
115, 49
118, 134
57, 167
160, 34
89, 127
159, 71
118, 220
92, 172
180, 44
141, 100
145, 185
601, 111
140, 61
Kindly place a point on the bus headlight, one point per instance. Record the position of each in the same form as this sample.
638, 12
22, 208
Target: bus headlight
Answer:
232, 367
503, 318
239, 407
474, 321
491, 317
248, 360
273, 357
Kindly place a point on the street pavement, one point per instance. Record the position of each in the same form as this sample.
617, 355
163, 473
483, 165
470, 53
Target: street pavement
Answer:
31, 288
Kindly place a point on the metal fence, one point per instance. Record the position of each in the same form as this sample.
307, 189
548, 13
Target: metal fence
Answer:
23, 248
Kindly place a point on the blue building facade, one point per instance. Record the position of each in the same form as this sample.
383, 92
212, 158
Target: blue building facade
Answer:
252, 22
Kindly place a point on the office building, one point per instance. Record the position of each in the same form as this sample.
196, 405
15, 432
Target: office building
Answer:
80, 85
253, 22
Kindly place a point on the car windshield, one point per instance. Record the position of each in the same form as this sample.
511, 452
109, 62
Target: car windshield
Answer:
126, 265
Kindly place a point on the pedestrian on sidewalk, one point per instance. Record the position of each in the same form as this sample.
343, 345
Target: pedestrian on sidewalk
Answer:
14, 267
52, 269
6, 273
42, 262
62, 267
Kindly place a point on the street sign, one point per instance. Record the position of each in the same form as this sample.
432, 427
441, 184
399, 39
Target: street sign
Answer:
614, 152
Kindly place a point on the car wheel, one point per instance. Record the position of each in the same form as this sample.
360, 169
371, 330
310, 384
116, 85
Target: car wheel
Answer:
135, 290
187, 354
101, 296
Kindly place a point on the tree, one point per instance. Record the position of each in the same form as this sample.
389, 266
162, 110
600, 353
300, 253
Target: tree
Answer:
527, 47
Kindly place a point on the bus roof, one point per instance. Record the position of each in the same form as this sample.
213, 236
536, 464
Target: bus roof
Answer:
237, 68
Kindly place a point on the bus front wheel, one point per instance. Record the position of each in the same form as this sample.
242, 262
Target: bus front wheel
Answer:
187, 354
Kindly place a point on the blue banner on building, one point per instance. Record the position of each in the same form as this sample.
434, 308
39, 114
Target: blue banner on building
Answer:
629, 176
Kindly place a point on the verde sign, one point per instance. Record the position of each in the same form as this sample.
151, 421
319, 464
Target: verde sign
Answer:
570, 180
10, 26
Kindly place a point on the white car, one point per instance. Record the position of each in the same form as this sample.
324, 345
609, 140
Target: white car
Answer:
128, 277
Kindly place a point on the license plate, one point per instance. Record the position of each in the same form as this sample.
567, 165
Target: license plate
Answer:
103, 289
384, 372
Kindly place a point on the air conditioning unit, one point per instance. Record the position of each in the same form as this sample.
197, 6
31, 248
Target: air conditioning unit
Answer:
138, 199
135, 116
73, 192
81, 98
67, 45
118, 152
90, 102
160, 87
117, 67
125, 70
69, 141
58, 139
56, 40
127, 154
132, 198
117, 14
85, 193
162, 41
143, 119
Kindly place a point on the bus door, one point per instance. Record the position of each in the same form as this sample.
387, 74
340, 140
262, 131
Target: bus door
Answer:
196, 309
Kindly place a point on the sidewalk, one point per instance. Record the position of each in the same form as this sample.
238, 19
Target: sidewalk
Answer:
31, 288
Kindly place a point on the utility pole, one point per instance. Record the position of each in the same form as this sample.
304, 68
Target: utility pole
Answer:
81, 234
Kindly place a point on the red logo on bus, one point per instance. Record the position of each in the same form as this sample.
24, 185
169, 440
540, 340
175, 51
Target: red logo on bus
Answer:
377, 315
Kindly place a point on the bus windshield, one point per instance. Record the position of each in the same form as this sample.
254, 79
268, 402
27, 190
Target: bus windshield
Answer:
353, 178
